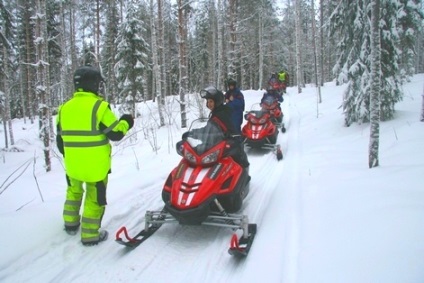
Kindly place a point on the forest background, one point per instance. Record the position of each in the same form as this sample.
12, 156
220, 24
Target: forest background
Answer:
153, 49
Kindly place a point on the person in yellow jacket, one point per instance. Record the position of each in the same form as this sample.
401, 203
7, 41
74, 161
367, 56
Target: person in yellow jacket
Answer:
283, 77
85, 124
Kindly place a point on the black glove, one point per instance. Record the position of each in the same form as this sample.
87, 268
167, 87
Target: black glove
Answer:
129, 119
184, 136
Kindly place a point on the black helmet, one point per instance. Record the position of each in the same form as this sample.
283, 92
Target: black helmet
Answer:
212, 93
232, 82
87, 78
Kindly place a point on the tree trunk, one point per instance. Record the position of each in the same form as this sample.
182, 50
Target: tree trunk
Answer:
72, 23
97, 30
220, 31
299, 72
321, 34
182, 61
261, 48
375, 85
314, 46
232, 27
161, 48
7, 114
28, 71
156, 68
42, 87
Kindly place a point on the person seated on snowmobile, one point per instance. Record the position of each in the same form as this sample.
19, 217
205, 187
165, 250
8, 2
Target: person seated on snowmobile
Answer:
235, 99
273, 93
221, 115
274, 82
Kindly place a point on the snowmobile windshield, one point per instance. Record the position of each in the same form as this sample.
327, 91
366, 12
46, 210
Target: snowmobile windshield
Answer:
204, 138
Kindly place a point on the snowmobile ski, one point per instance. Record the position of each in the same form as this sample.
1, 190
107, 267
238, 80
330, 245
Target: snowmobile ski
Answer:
241, 247
132, 242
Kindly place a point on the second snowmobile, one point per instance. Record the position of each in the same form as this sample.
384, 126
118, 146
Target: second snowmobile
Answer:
206, 188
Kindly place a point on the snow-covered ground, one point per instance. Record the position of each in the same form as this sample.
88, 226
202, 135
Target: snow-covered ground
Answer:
322, 214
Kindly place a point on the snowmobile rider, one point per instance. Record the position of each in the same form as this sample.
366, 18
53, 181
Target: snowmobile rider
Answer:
85, 124
235, 99
221, 115
283, 77
274, 82
273, 93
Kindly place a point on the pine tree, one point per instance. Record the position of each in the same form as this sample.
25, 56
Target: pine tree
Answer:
131, 59
410, 16
25, 31
109, 51
6, 35
54, 51
351, 22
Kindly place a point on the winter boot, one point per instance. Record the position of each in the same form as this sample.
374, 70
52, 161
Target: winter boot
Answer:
71, 230
103, 235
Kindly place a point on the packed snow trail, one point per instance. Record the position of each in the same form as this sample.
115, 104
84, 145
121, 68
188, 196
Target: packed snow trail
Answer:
183, 253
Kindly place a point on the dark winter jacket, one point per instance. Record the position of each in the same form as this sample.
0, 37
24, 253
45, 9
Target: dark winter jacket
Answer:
237, 107
222, 115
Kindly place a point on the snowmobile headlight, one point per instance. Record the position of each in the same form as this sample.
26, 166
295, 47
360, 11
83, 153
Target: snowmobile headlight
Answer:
211, 157
190, 157
262, 121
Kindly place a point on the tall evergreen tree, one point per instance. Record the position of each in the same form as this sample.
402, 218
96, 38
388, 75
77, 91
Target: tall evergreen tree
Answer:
109, 51
351, 22
410, 16
6, 43
131, 59
26, 49
54, 51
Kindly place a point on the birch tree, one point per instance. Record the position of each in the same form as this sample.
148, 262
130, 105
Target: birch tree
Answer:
161, 51
373, 160
220, 41
42, 88
261, 45
314, 46
182, 58
298, 47
232, 28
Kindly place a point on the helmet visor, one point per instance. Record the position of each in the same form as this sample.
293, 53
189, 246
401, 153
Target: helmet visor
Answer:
209, 92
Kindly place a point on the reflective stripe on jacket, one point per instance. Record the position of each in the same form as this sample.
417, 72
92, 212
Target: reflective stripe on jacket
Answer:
87, 152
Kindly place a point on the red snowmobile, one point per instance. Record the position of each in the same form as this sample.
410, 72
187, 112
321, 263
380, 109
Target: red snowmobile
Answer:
271, 105
261, 132
206, 188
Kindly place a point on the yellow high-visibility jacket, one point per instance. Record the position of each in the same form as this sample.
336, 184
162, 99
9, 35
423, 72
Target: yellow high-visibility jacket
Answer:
282, 76
84, 125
